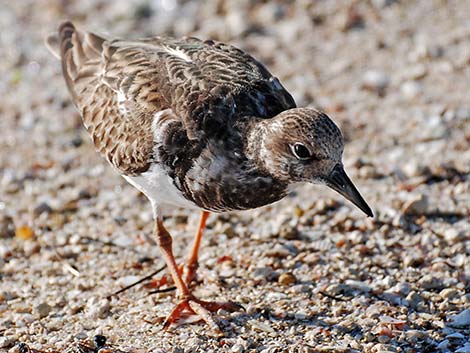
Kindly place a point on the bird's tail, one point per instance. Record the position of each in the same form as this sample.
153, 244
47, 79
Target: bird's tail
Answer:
78, 52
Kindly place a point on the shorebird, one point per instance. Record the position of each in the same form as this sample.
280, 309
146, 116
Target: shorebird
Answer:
200, 125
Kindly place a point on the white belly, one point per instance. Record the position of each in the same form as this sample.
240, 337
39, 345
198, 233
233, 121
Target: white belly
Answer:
159, 188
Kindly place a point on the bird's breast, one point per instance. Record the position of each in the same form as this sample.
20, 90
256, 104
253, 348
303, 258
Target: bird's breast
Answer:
227, 181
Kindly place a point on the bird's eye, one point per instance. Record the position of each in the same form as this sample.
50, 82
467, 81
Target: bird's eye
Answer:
300, 151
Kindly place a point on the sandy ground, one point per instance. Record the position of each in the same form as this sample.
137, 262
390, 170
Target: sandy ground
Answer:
313, 274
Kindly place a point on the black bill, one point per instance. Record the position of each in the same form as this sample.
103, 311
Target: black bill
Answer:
339, 181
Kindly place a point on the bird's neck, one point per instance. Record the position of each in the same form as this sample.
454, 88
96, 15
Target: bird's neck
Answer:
261, 150
255, 141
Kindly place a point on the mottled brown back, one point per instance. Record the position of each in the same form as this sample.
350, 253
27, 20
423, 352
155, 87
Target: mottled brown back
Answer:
119, 86
120, 131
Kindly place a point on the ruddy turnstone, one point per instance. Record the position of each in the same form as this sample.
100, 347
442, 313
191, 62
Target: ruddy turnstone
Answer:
197, 124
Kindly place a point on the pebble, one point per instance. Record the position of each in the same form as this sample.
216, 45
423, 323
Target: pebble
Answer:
434, 128
402, 288
21, 308
7, 227
237, 348
274, 296
414, 169
42, 310
54, 325
287, 279
452, 235
430, 282
383, 339
361, 286
76, 141
418, 205
6, 342
449, 293
349, 19
368, 172
415, 335
338, 289
411, 89
127, 280
455, 335
97, 308
299, 288
31, 248
300, 315
266, 273
124, 241
288, 232
400, 221
24, 233
415, 72
228, 230
43, 207
443, 345
461, 320
413, 260
260, 326
464, 349
414, 300
376, 81
392, 298
25, 319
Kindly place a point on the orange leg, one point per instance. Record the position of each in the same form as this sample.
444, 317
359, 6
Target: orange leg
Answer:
193, 264
188, 304
165, 243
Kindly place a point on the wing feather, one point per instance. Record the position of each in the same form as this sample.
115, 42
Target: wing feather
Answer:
120, 128
119, 86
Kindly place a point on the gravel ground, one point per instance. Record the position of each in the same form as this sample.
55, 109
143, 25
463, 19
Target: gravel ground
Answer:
313, 274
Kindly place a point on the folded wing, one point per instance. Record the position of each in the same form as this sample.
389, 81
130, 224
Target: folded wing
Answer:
119, 86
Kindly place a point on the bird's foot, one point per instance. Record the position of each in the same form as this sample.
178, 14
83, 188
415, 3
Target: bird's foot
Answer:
191, 309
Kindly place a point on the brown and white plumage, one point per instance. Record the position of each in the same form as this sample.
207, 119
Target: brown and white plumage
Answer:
197, 124
202, 88
120, 85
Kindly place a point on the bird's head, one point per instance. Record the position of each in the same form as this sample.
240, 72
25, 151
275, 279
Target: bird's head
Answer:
304, 145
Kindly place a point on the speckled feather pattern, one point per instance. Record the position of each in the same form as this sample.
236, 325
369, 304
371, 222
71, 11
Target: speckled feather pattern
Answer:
208, 114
